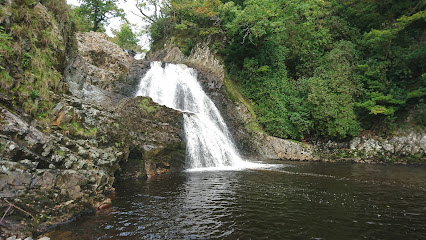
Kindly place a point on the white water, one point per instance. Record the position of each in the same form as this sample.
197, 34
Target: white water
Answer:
209, 144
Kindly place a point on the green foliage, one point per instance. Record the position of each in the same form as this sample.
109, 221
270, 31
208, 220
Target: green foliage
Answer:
26, 60
332, 92
82, 23
310, 67
125, 38
98, 12
34, 94
76, 129
5, 48
33, 54
5, 51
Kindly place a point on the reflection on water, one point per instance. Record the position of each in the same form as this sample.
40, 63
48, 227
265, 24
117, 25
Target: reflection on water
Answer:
296, 200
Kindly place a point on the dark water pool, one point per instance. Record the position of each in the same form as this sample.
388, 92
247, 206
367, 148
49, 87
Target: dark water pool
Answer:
292, 201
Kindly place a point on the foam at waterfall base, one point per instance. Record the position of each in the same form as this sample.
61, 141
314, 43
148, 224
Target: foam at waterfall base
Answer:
243, 165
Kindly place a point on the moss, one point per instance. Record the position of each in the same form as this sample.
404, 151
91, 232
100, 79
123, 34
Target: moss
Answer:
60, 152
145, 106
418, 158
303, 145
36, 56
252, 126
119, 144
234, 94
76, 129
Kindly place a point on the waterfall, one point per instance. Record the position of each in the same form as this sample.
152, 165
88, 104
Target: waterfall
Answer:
209, 143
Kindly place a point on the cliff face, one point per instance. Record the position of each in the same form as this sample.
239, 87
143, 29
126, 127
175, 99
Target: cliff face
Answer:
67, 161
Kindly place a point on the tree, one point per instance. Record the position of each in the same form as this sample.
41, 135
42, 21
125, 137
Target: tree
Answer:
99, 11
126, 38
82, 23
332, 92
152, 10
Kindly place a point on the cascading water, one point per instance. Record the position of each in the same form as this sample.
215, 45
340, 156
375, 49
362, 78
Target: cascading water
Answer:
209, 144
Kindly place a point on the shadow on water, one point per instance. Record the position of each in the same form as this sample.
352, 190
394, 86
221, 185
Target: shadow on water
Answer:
291, 201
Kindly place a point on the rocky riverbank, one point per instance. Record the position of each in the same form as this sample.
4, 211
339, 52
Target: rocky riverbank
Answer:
95, 134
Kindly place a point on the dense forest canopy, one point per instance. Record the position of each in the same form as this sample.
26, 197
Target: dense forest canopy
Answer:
312, 67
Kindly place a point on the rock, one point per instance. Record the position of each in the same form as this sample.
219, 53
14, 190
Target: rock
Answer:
200, 58
104, 204
130, 52
45, 179
42, 15
157, 140
67, 167
129, 86
97, 70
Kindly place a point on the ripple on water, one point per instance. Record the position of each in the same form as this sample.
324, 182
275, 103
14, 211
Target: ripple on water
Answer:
307, 201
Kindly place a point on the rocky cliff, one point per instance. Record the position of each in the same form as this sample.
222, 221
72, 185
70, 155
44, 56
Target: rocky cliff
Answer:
63, 164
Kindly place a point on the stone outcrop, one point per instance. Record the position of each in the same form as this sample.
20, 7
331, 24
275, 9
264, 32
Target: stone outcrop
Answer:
70, 167
98, 68
402, 144
403, 147
104, 61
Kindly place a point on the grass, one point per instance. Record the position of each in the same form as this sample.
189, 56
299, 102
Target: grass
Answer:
33, 54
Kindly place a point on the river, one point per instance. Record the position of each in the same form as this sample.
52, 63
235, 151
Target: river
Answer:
287, 200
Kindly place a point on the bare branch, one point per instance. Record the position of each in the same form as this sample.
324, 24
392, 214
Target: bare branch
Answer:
144, 16
140, 5
20, 209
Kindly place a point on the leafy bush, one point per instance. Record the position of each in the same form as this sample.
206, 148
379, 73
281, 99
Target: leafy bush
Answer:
126, 38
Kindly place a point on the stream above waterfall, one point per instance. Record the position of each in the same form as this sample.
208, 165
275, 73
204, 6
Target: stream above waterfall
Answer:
294, 200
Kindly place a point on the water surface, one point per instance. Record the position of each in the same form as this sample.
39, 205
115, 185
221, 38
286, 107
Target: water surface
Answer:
294, 200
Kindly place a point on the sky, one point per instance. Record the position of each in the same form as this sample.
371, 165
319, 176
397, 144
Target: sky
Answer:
129, 8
